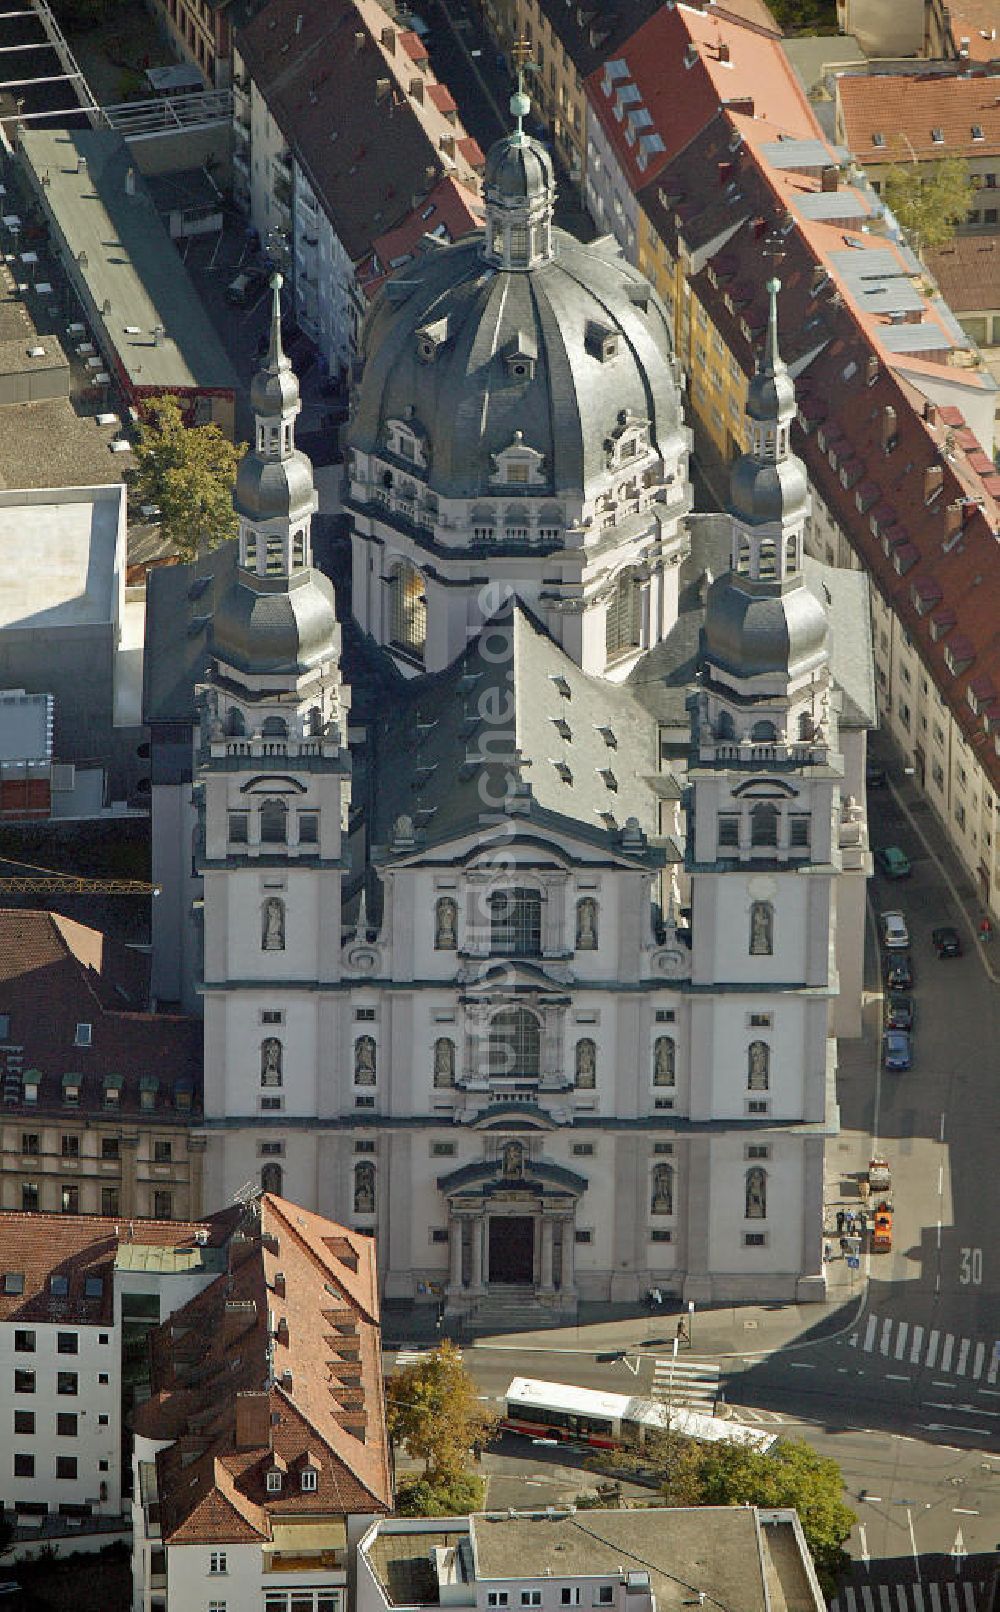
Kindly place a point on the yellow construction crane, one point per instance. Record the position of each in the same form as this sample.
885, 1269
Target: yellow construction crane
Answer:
46, 882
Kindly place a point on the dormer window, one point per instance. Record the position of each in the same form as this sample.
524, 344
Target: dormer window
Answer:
84, 1035
310, 1479
601, 342
518, 465
520, 356
430, 339
274, 1481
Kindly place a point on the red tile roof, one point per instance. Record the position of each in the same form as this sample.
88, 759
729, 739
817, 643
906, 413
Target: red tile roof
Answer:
968, 272
37, 1247
338, 79
729, 61
277, 1362
56, 974
853, 401
449, 212
892, 117
976, 21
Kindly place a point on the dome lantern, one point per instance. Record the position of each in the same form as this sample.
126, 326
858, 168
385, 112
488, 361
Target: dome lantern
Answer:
519, 189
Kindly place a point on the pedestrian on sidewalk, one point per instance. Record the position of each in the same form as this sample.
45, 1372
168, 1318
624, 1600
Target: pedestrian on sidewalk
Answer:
840, 1221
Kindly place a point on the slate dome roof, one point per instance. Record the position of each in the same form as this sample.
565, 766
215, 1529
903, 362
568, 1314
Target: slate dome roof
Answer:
752, 630
270, 488
275, 624
563, 316
763, 491
518, 171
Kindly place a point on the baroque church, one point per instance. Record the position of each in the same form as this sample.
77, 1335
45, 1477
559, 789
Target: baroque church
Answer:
524, 920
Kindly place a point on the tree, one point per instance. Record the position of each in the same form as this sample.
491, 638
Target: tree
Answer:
433, 1412
929, 198
449, 1497
188, 472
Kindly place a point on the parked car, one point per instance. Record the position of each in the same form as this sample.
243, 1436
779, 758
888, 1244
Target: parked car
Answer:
893, 862
947, 941
875, 776
246, 288
899, 1011
899, 971
896, 1050
895, 935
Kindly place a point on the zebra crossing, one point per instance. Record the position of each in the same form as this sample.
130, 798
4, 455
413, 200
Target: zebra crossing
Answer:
693, 1384
750, 1415
952, 1595
410, 1356
929, 1348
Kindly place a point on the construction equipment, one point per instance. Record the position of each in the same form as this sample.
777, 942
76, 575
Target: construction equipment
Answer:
882, 1234
879, 1175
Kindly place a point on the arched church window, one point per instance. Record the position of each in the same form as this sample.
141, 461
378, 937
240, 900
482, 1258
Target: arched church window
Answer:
519, 243
250, 546
763, 732
444, 1062
585, 1064
274, 727
756, 1194
743, 555
623, 623
445, 924
364, 1188
586, 924
764, 824
273, 822
664, 1061
661, 1195
767, 560
516, 923
235, 722
364, 1061
270, 1061
315, 721
274, 550
807, 727
724, 727
761, 929
514, 1044
407, 610
273, 925
758, 1066
271, 1178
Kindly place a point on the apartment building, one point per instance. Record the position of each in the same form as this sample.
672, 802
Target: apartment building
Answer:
262, 1453
903, 119
97, 1092
70, 1289
342, 132
658, 1560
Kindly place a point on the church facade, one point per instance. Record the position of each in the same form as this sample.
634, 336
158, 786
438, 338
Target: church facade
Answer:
529, 952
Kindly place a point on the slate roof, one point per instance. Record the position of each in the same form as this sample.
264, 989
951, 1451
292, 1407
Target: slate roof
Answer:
904, 109
55, 974
341, 96
313, 1385
968, 272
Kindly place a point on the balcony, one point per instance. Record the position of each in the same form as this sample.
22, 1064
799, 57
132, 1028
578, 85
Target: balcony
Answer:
309, 1546
749, 754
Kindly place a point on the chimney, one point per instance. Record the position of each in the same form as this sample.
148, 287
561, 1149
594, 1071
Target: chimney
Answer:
447, 145
872, 373
239, 1315
953, 518
888, 427
158, 334
279, 1284
253, 1421
298, 23
723, 51
130, 181
691, 55
831, 178
81, 165
281, 1333
417, 89
933, 482
932, 414
389, 40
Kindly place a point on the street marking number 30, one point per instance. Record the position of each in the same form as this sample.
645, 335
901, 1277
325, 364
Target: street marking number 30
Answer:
971, 1268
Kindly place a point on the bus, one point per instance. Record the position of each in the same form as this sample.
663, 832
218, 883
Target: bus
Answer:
590, 1416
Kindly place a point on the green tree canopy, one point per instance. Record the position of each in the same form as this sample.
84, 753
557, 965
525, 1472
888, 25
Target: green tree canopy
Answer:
453, 1496
929, 198
433, 1412
188, 472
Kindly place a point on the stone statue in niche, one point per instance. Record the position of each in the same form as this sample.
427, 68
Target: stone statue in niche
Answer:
364, 1061
513, 1161
270, 1061
444, 1062
364, 1189
661, 1200
274, 924
586, 1064
586, 925
664, 1061
446, 925
761, 929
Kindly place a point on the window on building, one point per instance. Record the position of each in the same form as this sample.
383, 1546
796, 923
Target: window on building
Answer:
110, 1202
71, 1147
162, 1152
309, 828
70, 1200
24, 1342
110, 1147
407, 610
67, 1382
66, 1424
239, 828
29, 1197
729, 831
67, 1343
516, 923
24, 1466
217, 1562
24, 1421
309, 1479
163, 1205
514, 1045
569, 1595
271, 1179
623, 621
273, 822
799, 833
764, 824
531, 1597
30, 1143
496, 1598
274, 1482
84, 1035
605, 1595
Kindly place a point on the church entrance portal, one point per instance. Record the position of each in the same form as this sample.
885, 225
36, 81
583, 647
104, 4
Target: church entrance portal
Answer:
512, 1250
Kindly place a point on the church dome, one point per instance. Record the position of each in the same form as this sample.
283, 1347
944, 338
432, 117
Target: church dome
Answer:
275, 389
752, 630
771, 394
768, 490
275, 624
471, 352
268, 489
518, 171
